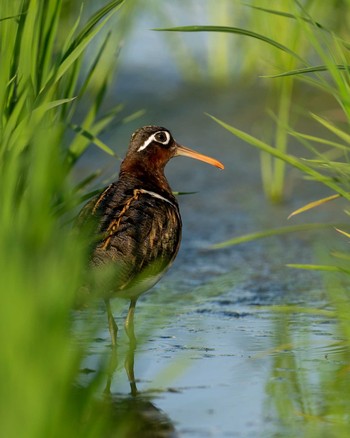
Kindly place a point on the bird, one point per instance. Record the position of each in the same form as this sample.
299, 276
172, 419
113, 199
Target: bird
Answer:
135, 222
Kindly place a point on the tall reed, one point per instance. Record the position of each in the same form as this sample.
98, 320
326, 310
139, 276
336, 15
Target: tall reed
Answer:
46, 78
257, 40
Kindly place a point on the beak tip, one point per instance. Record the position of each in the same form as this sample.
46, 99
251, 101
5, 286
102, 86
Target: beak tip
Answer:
184, 151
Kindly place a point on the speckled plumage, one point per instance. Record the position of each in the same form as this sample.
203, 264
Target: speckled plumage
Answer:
136, 220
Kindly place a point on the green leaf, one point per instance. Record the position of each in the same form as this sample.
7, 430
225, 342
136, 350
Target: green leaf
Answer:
80, 43
338, 132
313, 69
83, 183
343, 232
184, 193
233, 30
340, 255
299, 309
288, 15
68, 41
94, 65
320, 140
88, 29
133, 116
12, 17
313, 204
269, 233
291, 160
93, 139
49, 105
327, 268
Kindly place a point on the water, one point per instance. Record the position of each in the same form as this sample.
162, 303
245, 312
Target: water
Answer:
215, 357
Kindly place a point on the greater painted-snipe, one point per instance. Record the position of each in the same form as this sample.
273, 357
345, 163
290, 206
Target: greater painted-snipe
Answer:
136, 220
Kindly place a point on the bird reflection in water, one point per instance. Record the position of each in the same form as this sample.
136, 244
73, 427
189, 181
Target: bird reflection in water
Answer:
135, 414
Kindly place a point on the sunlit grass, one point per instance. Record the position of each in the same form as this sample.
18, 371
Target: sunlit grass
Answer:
271, 232
275, 40
43, 88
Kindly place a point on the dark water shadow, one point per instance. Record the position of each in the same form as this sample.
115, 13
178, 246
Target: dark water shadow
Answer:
131, 414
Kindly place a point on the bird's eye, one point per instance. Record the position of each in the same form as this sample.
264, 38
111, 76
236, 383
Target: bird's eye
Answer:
162, 137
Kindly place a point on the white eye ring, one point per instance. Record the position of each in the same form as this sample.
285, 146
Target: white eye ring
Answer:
167, 135
152, 138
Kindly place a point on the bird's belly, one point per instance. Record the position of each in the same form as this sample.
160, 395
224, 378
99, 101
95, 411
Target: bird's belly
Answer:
139, 285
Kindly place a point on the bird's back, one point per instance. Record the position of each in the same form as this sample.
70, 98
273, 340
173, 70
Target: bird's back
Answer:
137, 235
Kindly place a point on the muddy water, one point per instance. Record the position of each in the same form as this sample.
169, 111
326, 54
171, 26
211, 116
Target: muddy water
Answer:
214, 358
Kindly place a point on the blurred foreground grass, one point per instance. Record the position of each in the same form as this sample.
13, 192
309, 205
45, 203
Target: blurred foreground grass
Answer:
45, 76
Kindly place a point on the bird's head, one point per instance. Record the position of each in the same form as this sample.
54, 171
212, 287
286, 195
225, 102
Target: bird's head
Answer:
154, 146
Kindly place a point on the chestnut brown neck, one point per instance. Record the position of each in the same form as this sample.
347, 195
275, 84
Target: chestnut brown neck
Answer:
149, 175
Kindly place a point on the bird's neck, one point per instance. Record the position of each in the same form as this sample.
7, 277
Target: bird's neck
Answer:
145, 177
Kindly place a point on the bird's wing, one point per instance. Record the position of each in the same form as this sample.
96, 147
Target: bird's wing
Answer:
90, 209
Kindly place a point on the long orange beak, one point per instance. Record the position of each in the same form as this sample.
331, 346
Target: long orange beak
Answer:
186, 152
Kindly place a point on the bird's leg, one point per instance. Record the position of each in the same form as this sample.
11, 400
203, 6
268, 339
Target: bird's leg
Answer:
129, 322
112, 366
129, 368
113, 328
130, 356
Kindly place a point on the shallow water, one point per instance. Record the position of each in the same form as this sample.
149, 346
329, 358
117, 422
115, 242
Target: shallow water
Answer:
215, 357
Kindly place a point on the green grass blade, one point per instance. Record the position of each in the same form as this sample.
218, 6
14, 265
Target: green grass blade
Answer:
43, 350
70, 37
313, 69
288, 15
291, 160
183, 193
340, 255
344, 233
19, 140
47, 106
88, 131
50, 15
338, 132
12, 17
93, 139
327, 268
89, 27
12, 122
80, 43
94, 64
319, 140
336, 167
29, 46
269, 233
313, 204
87, 180
134, 116
233, 30
105, 120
